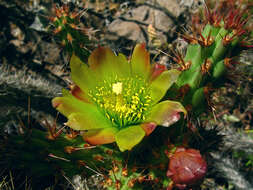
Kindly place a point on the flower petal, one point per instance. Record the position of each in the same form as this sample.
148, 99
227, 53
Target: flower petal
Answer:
166, 113
68, 104
162, 83
148, 127
92, 119
127, 138
78, 93
140, 61
100, 136
105, 63
156, 70
81, 74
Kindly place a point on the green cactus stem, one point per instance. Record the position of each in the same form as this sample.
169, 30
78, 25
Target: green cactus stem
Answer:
209, 54
71, 34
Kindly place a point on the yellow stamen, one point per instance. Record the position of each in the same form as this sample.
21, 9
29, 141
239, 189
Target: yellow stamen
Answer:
125, 101
117, 88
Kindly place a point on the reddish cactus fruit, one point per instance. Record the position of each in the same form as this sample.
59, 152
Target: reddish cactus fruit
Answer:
186, 167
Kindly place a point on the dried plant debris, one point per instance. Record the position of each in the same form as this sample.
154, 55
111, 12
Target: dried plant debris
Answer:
23, 91
29, 82
229, 169
238, 141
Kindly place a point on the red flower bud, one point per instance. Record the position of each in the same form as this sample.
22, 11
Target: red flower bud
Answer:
186, 167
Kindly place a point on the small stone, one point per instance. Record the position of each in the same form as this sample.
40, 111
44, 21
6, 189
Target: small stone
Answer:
133, 25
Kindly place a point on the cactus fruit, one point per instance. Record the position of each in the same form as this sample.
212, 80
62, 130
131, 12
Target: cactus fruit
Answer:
186, 167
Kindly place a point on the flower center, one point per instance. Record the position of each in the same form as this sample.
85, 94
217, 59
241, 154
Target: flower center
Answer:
125, 101
117, 88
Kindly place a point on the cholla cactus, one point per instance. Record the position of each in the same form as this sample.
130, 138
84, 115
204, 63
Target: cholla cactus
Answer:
114, 100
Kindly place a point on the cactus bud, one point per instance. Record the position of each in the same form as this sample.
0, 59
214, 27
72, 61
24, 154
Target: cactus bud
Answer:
186, 167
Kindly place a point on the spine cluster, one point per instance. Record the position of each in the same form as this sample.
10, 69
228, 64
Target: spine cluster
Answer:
209, 55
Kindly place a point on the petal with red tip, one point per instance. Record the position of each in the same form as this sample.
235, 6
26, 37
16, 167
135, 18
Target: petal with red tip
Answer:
100, 136
166, 113
127, 138
162, 83
148, 127
78, 93
65, 105
105, 63
140, 61
156, 70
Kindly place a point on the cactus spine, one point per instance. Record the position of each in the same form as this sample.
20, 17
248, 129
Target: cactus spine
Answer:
208, 57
